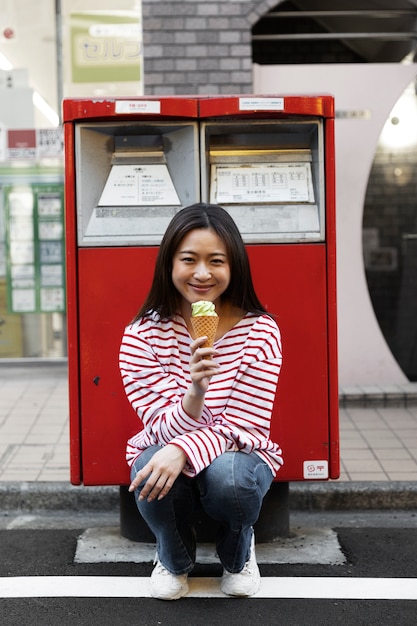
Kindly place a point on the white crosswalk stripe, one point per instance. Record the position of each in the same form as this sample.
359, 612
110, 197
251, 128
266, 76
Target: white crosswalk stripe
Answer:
272, 587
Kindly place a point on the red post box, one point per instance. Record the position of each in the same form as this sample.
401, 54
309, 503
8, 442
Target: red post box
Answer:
130, 165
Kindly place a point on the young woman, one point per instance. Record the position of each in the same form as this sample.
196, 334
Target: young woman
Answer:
205, 411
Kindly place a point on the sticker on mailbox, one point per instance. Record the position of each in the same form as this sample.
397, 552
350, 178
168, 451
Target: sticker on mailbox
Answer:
261, 104
315, 469
138, 106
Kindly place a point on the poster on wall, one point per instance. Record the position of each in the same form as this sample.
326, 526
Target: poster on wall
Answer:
29, 144
103, 49
35, 248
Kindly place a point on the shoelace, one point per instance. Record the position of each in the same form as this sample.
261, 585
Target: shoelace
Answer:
248, 569
161, 569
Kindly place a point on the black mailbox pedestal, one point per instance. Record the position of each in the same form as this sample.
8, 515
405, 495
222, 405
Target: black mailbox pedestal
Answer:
273, 521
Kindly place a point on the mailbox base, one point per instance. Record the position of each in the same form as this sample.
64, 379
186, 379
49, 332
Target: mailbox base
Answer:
273, 521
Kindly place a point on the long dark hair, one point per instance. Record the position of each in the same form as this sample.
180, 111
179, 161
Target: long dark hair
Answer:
164, 298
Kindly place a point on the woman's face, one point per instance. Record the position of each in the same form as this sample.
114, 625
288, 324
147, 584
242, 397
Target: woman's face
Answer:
200, 266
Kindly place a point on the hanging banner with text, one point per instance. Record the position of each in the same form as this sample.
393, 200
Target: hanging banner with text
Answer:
103, 52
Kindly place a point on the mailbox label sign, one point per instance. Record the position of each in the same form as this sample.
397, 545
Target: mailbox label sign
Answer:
261, 104
315, 469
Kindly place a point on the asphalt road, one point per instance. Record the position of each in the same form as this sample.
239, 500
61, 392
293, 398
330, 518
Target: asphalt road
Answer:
377, 549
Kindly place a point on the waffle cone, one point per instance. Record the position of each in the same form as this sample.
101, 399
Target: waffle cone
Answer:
205, 325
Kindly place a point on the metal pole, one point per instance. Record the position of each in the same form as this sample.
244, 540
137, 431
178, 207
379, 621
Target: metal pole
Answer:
59, 72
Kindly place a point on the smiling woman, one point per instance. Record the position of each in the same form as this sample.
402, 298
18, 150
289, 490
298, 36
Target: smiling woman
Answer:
205, 411
200, 269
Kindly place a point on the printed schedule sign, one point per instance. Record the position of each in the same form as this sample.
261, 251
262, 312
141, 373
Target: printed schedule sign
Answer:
266, 183
35, 248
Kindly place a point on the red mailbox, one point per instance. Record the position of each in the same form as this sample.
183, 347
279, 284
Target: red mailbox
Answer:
130, 165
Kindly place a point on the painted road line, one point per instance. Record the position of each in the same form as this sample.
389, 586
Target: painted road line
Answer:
273, 587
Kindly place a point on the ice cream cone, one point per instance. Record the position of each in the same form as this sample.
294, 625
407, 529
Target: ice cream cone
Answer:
205, 325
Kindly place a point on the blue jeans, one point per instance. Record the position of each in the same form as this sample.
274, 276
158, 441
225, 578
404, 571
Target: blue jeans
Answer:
231, 491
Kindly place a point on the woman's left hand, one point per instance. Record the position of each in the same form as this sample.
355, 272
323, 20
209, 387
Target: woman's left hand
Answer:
162, 471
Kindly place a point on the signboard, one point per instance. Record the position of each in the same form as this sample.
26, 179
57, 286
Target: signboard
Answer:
103, 50
139, 185
29, 144
35, 248
22, 144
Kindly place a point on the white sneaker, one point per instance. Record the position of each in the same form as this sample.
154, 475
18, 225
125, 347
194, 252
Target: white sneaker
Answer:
167, 586
245, 583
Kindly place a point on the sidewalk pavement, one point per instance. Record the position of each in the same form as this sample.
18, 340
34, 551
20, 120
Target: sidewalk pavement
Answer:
378, 434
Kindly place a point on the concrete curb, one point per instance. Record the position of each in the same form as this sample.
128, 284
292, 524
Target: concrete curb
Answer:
345, 496
57, 496
319, 496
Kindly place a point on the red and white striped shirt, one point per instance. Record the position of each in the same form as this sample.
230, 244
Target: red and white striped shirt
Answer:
154, 364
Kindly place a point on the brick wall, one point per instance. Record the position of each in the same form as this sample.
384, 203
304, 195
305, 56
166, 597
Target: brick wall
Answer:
199, 47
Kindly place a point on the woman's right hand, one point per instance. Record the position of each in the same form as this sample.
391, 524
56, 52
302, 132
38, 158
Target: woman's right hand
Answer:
160, 473
202, 366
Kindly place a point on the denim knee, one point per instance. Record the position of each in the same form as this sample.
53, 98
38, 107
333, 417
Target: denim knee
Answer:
232, 488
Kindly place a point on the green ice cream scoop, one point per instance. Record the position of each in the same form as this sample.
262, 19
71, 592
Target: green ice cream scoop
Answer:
203, 307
